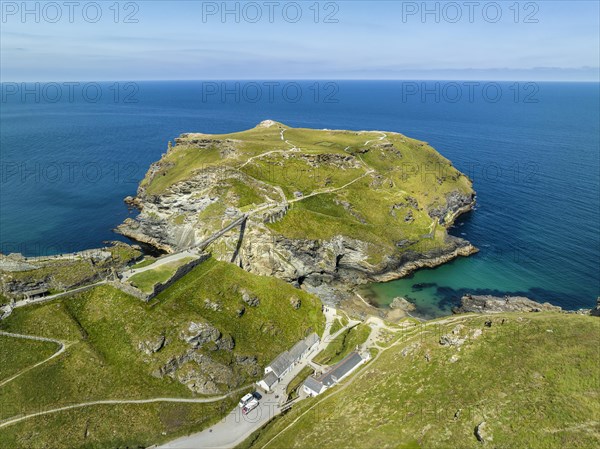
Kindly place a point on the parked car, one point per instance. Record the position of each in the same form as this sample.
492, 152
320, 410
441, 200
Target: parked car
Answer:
245, 399
257, 395
251, 405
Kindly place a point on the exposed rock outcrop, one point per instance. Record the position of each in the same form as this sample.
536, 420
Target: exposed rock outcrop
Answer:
15, 262
207, 376
212, 305
200, 333
32, 277
402, 304
481, 432
250, 299
295, 302
456, 204
200, 373
494, 304
454, 338
596, 310
226, 343
150, 347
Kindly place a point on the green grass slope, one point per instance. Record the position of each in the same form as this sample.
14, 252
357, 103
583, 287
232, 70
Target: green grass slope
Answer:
103, 329
18, 354
122, 426
343, 345
146, 280
533, 380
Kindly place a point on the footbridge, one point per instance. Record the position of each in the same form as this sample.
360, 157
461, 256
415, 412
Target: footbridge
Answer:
203, 244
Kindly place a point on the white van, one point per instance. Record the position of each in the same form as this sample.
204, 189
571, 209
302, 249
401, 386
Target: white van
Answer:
251, 405
245, 399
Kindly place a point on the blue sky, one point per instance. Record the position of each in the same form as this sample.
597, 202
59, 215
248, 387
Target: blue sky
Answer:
371, 40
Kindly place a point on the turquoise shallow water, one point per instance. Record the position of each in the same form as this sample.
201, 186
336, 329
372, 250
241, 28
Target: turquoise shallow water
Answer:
435, 291
66, 167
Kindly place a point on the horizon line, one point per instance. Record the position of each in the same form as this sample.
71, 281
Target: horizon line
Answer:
306, 79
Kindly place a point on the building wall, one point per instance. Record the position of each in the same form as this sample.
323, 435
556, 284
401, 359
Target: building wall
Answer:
263, 386
310, 391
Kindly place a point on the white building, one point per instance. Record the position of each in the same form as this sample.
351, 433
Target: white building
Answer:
268, 382
316, 385
284, 362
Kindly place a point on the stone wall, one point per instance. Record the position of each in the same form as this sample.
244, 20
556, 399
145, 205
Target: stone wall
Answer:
129, 289
181, 271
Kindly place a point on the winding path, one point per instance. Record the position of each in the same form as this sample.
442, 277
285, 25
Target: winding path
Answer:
383, 136
318, 192
205, 400
234, 426
330, 316
62, 346
258, 156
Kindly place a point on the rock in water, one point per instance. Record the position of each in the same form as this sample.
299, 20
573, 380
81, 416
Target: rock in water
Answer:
495, 304
596, 310
402, 304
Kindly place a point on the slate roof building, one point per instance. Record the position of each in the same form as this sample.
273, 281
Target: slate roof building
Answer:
312, 341
284, 362
316, 385
268, 382
280, 365
312, 386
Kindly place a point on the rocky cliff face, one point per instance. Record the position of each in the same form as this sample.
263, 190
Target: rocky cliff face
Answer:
170, 221
456, 204
191, 209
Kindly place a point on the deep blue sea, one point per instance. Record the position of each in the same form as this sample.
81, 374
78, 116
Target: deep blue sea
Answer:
68, 158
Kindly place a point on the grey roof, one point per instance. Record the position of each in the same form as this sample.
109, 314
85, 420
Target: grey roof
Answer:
311, 340
341, 369
280, 363
284, 360
313, 384
270, 379
296, 352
